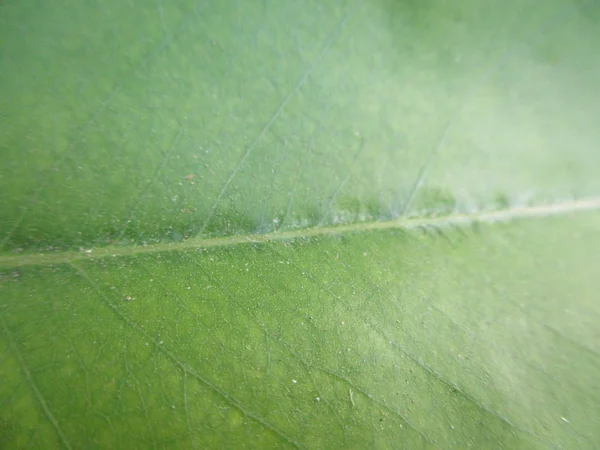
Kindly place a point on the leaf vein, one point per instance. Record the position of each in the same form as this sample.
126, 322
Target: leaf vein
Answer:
332, 37
38, 394
417, 361
449, 221
379, 402
183, 366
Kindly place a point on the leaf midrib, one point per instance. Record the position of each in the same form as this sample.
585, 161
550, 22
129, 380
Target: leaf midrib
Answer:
424, 222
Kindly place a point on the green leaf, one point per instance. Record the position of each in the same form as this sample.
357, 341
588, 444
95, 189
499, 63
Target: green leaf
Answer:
299, 224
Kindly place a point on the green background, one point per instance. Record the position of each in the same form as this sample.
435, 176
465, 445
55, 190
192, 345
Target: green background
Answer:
171, 133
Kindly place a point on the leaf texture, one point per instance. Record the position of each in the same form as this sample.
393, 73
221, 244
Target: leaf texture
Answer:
299, 224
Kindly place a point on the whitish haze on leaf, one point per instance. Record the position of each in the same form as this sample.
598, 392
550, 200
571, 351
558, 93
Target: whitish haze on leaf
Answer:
299, 224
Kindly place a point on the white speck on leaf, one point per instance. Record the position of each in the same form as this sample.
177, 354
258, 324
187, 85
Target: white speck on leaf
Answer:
294, 381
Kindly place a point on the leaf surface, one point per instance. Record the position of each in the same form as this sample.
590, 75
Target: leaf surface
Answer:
324, 225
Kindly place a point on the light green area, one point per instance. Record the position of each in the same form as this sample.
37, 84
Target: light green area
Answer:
303, 113
126, 127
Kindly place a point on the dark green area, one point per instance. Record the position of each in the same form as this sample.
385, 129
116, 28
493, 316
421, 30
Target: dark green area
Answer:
486, 340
